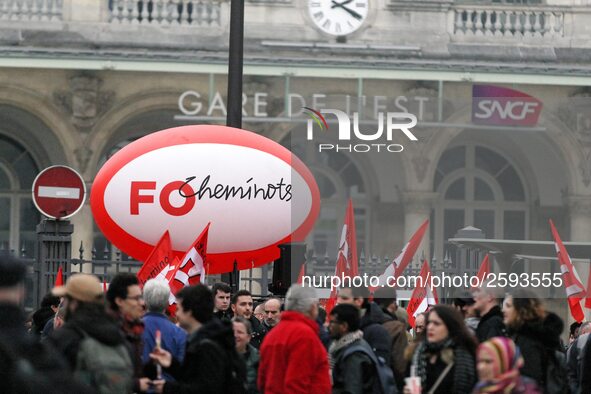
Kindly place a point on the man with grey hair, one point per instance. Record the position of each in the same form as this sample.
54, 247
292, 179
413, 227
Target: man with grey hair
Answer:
293, 360
272, 310
172, 338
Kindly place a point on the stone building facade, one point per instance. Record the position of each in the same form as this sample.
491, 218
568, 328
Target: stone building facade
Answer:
79, 79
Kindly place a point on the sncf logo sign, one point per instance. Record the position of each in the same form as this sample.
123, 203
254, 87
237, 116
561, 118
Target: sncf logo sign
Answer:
498, 106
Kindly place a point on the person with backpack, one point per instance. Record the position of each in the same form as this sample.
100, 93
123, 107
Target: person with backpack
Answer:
372, 320
212, 364
354, 366
90, 339
444, 361
537, 333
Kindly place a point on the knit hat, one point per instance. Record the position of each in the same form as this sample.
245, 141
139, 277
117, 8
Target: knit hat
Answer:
81, 287
12, 271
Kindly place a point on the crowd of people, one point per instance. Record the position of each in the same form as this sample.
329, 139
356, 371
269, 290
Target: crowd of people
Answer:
130, 340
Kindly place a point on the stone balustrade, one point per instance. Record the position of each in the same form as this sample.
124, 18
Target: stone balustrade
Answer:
31, 10
507, 22
165, 12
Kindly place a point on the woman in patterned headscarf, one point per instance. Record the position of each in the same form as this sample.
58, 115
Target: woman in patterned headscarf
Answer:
498, 363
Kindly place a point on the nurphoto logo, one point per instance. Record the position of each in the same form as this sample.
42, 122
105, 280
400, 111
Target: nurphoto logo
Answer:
394, 123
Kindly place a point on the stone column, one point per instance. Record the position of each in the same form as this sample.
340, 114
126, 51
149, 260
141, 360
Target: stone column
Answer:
580, 230
417, 207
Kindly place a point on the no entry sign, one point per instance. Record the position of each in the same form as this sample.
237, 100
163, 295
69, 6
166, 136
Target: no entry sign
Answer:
58, 192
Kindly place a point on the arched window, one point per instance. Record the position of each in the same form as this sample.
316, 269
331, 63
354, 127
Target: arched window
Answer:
478, 187
18, 215
338, 179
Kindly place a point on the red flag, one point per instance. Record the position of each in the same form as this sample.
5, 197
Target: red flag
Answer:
157, 261
347, 263
169, 278
483, 271
59, 279
422, 296
399, 264
301, 274
588, 300
574, 288
191, 271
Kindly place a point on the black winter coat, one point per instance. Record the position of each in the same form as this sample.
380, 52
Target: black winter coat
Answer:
375, 333
491, 325
537, 340
207, 366
28, 366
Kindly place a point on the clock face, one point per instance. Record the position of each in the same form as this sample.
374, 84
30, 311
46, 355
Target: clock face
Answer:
338, 17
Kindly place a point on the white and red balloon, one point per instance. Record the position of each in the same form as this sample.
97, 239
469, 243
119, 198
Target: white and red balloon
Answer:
255, 193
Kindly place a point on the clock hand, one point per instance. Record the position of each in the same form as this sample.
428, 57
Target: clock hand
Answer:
354, 14
335, 4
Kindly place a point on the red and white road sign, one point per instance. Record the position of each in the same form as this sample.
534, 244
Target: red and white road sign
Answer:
58, 192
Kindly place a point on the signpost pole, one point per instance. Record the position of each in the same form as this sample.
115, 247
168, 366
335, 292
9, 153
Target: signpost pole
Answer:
58, 193
54, 249
234, 96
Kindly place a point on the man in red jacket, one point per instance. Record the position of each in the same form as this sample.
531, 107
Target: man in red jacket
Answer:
293, 360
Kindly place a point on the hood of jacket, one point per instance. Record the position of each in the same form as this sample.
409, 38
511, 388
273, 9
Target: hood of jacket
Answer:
219, 331
95, 322
373, 315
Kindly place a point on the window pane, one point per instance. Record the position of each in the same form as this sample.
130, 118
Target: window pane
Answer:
4, 223
489, 161
29, 218
9, 151
325, 185
453, 220
452, 159
27, 171
482, 192
29, 215
514, 225
456, 191
485, 220
511, 185
4, 181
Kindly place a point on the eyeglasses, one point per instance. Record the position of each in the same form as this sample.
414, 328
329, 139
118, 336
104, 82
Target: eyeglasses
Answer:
420, 327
